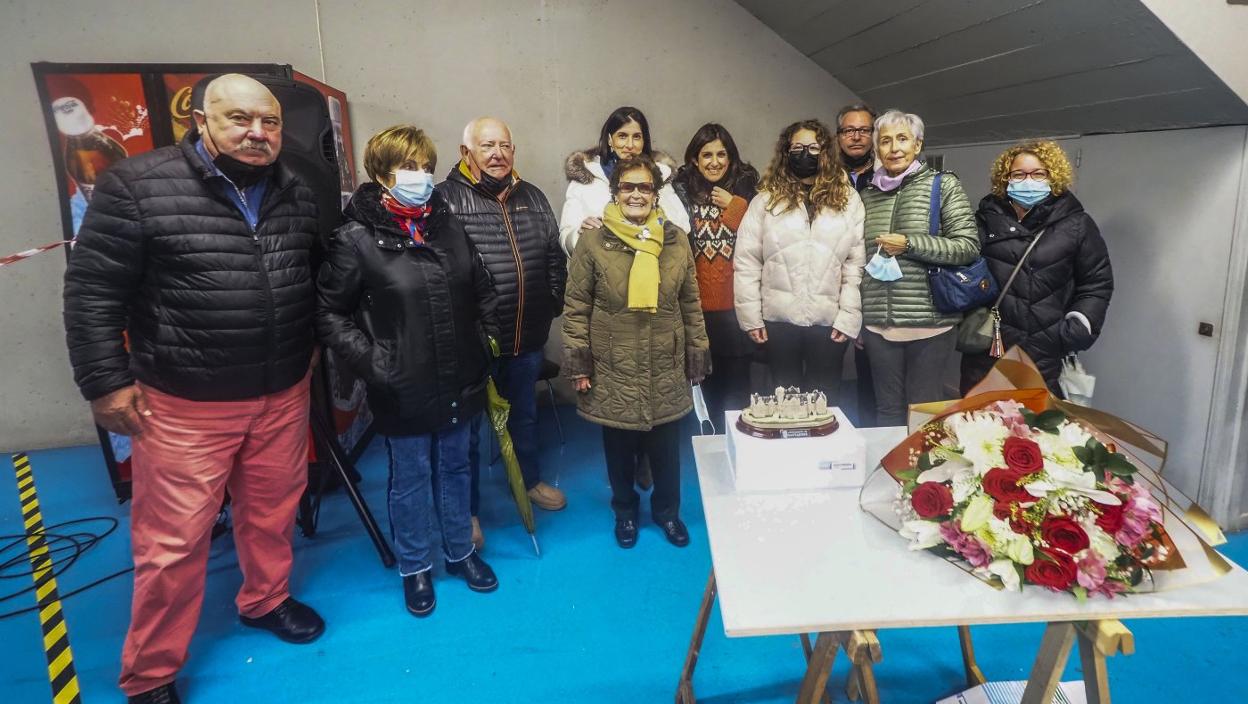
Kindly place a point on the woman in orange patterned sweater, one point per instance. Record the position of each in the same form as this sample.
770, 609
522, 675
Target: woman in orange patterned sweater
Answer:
715, 187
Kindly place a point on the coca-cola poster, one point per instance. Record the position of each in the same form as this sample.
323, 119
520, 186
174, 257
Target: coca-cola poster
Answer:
100, 119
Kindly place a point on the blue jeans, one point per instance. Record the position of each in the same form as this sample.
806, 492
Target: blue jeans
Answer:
516, 378
413, 461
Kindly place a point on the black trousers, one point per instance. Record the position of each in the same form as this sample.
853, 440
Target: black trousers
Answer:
806, 356
866, 390
727, 388
662, 445
908, 372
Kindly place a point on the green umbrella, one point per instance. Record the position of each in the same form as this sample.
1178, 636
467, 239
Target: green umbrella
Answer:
498, 410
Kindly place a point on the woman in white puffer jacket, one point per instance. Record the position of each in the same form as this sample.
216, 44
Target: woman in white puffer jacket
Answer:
798, 262
625, 134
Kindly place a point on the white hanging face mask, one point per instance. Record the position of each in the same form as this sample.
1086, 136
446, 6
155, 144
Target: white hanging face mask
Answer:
883, 267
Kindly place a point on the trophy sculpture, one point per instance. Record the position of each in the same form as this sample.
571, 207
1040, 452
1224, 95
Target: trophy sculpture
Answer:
789, 413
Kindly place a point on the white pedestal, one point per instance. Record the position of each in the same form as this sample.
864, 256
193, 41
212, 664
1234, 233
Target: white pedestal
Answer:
834, 461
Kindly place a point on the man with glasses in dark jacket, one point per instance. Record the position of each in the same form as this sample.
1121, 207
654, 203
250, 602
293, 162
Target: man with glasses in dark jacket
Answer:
511, 224
199, 254
854, 126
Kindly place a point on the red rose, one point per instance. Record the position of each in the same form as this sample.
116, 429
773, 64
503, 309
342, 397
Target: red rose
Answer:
1002, 510
1023, 455
1021, 526
1062, 533
931, 500
1111, 517
1003, 485
1054, 570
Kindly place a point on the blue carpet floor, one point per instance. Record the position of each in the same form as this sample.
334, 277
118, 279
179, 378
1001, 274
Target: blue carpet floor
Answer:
587, 622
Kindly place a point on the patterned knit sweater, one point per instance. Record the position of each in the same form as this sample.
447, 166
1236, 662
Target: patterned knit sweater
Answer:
713, 236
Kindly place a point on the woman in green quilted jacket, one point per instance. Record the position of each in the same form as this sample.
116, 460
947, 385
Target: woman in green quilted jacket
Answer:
908, 341
634, 338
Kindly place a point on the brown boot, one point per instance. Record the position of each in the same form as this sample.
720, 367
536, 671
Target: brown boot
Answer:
547, 497
478, 538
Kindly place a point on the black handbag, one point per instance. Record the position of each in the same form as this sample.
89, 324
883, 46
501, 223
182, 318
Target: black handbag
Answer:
980, 329
957, 289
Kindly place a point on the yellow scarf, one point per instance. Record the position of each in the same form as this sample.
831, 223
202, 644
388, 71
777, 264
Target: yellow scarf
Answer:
647, 243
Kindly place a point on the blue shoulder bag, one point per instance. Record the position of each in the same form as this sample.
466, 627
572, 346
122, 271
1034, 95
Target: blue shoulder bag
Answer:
957, 289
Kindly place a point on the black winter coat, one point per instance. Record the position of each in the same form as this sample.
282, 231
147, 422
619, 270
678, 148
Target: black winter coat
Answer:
1068, 271
410, 319
518, 238
214, 311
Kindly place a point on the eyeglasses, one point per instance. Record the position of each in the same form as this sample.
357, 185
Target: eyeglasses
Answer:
813, 149
1020, 176
855, 131
645, 189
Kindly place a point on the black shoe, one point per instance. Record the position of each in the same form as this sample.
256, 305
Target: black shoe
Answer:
164, 694
675, 532
626, 532
476, 573
291, 621
418, 593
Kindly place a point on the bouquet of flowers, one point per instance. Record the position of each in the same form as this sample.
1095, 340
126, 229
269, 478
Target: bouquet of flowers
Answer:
1030, 497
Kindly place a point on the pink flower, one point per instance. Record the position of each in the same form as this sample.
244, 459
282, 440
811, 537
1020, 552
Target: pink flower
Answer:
1140, 514
1011, 414
966, 545
1091, 573
1110, 587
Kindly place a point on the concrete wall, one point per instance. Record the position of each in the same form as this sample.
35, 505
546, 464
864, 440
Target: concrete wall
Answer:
553, 69
1174, 241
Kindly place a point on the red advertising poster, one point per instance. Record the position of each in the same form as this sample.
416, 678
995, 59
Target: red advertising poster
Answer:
101, 118
178, 89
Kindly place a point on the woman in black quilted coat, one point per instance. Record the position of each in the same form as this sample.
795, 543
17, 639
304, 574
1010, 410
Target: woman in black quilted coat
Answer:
1057, 303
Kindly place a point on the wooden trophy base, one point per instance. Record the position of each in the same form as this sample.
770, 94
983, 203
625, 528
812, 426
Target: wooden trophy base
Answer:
796, 430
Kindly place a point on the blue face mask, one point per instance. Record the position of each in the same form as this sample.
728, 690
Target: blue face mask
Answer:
882, 267
1028, 192
412, 188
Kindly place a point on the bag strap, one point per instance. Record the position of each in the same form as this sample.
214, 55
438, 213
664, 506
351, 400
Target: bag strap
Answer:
933, 218
1019, 265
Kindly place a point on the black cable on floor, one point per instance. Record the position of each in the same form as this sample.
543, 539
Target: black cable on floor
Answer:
63, 548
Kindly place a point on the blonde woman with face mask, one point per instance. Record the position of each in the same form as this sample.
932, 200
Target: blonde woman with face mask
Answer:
405, 302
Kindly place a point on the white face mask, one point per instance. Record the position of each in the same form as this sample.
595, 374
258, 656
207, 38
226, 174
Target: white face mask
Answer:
412, 188
883, 267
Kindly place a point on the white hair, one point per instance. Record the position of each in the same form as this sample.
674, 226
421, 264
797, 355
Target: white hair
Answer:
466, 139
913, 123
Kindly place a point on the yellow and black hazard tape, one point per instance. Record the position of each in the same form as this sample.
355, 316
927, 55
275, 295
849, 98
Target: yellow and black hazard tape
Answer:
61, 674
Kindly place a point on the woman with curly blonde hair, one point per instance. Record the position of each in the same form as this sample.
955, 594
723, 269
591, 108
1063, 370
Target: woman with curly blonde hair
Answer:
1057, 303
798, 261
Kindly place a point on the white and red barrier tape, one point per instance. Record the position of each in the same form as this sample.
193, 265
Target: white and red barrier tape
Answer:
5, 261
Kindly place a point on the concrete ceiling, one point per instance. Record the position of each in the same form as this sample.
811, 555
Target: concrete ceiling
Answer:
989, 70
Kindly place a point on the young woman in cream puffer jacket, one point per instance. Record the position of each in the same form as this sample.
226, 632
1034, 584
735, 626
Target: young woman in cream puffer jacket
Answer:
796, 272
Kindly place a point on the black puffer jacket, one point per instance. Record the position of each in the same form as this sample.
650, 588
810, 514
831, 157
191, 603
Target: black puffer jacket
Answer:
1068, 271
518, 238
214, 312
412, 320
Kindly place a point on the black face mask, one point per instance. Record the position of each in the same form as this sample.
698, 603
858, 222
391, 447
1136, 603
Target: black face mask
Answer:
241, 173
857, 162
803, 164
494, 186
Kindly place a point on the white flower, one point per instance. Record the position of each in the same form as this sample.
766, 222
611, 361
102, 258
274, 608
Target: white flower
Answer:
1008, 574
922, 534
981, 436
1102, 543
1074, 482
964, 485
1073, 434
1058, 452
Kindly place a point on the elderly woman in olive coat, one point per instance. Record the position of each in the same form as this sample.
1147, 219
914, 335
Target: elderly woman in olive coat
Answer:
634, 339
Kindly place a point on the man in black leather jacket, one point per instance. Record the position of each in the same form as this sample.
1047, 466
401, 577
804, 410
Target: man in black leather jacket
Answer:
511, 224
200, 254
